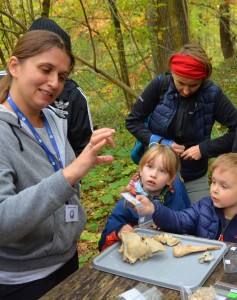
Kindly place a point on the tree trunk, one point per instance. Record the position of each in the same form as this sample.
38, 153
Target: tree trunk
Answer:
121, 50
168, 26
225, 35
152, 23
45, 9
178, 20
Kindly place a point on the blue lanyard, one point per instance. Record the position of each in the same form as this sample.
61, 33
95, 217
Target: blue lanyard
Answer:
37, 136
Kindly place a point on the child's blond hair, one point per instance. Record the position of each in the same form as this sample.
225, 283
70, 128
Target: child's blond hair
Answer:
171, 160
225, 162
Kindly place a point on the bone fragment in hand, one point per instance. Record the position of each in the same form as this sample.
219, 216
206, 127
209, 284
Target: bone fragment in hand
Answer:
181, 250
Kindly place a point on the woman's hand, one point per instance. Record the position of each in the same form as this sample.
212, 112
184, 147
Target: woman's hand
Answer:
148, 206
89, 156
179, 149
192, 153
125, 228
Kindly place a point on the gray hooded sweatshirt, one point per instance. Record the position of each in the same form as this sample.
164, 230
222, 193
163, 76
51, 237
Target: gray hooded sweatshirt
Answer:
33, 231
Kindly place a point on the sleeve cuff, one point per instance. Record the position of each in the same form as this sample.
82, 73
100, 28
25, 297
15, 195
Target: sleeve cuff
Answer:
118, 228
156, 139
166, 142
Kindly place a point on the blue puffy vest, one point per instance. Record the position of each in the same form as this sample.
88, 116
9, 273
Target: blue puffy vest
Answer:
203, 113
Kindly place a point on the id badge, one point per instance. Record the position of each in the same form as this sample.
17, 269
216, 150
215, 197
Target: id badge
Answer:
71, 213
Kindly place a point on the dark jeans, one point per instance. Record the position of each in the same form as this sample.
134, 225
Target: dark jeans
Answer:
35, 289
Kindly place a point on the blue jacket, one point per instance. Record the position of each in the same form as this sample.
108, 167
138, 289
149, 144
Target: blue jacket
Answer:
203, 112
123, 214
201, 219
211, 105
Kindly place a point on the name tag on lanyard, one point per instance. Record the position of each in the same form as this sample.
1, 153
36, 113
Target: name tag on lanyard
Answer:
71, 213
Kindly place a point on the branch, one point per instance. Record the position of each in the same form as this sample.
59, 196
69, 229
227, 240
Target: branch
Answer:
109, 77
9, 30
13, 19
130, 31
91, 38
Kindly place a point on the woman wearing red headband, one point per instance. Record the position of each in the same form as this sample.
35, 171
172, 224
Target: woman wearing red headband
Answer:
182, 108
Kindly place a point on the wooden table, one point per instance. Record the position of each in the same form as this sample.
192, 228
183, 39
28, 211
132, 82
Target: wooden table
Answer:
90, 284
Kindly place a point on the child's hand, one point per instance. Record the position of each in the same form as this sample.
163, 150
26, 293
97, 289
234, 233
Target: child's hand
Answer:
148, 205
125, 228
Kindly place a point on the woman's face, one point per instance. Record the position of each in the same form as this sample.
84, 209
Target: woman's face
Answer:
38, 80
186, 86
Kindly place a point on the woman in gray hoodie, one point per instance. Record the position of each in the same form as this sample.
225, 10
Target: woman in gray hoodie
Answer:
40, 211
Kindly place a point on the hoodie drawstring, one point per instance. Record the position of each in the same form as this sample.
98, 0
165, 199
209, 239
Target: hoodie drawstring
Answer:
19, 141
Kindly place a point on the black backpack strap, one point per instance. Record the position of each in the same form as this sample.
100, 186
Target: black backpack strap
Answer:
164, 83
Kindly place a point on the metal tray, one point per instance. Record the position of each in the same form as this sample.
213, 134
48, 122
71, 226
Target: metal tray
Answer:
163, 269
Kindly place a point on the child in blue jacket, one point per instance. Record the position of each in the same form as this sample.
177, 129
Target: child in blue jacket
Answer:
156, 180
212, 217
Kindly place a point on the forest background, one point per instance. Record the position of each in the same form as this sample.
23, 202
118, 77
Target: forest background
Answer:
120, 46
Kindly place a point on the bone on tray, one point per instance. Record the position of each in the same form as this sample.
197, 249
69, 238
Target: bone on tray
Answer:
181, 250
166, 238
136, 247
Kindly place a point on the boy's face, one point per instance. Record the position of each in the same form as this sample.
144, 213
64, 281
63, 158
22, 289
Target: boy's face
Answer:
154, 176
224, 190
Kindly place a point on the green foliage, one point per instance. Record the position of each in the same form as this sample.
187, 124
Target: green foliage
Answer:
93, 226
85, 259
226, 77
87, 236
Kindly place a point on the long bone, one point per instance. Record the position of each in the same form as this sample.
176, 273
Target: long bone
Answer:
181, 250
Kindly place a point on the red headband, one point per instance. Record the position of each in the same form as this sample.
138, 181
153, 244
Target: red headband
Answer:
188, 67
